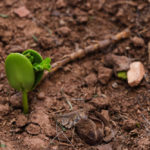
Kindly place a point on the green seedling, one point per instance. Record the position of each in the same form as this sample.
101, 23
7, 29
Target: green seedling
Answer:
122, 75
24, 71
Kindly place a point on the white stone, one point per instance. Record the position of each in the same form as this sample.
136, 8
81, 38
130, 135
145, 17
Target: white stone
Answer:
136, 73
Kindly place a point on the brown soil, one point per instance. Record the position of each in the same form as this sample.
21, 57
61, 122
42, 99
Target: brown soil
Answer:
59, 27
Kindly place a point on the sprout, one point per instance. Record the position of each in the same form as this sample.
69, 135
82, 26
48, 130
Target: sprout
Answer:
24, 71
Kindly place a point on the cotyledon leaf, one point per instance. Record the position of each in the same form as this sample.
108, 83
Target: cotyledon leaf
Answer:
20, 72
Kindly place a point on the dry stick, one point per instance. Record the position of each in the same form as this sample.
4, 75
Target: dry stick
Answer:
89, 49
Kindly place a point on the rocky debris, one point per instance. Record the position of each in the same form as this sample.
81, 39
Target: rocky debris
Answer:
118, 63
69, 120
22, 11
100, 102
49, 42
42, 119
33, 129
64, 31
104, 74
15, 100
60, 4
129, 124
35, 143
41, 95
135, 73
4, 109
137, 41
21, 120
89, 132
91, 79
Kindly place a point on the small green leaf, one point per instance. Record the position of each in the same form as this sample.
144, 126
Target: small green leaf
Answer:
44, 65
122, 75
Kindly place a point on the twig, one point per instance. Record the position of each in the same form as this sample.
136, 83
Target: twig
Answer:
89, 49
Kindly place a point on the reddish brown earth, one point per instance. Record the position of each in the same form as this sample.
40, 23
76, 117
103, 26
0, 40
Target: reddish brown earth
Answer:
111, 115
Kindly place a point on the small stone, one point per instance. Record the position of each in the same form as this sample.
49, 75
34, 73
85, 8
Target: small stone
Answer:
135, 73
64, 31
129, 124
119, 63
22, 11
41, 95
115, 85
21, 120
100, 102
33, 129
104, 74
4, 109
105, 114
89, 132
91, 79
60, 4
138, 41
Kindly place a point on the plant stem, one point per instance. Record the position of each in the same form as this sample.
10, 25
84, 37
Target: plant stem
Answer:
25, 102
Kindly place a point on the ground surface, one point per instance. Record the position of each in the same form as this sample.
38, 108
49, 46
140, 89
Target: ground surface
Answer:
56, 28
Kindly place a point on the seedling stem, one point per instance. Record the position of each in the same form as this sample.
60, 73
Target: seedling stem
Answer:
25, 102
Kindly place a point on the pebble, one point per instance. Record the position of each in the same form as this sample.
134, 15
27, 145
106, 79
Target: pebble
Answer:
138, 41
91, 79
22, 11
135, 73
88, 132
115, 85
104, 74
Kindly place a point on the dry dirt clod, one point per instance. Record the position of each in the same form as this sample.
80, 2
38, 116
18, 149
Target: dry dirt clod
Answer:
15, 100
105, 114
104, 147
35, 143
22, 11
89, 132
91, 79
4, 109
64, 31
119, 63
100, 102
129, 124
135, 73
137, 41
104, 74
21, 120
41, 95
33, 129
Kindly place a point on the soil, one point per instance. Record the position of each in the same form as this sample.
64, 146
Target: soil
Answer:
118, 115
